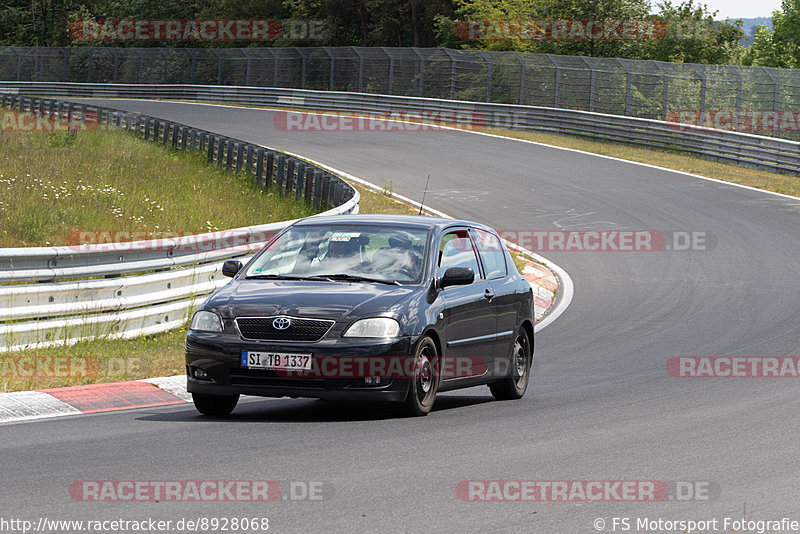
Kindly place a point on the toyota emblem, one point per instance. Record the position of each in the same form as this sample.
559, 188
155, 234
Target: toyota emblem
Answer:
281, 323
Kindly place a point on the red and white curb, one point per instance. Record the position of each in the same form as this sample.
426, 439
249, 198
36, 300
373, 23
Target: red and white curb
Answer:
92, 398
544, 284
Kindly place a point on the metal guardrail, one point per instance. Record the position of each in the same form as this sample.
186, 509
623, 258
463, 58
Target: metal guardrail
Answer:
146, 286
742, 149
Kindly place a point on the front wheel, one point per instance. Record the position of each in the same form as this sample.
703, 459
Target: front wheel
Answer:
425, 379
214, 405
516, 381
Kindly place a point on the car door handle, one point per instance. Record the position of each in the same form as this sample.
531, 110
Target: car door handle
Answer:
488, 294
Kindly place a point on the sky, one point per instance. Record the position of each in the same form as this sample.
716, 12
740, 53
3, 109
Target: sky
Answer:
739, 9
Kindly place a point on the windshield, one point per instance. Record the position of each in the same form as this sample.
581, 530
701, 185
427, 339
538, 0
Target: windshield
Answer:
371, 253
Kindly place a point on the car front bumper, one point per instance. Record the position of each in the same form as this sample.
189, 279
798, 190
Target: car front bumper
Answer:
334, 377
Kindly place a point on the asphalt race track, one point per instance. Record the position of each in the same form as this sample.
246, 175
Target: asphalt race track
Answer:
602, 407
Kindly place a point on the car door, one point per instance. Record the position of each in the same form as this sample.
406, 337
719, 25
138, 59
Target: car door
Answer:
470, 317
506, 296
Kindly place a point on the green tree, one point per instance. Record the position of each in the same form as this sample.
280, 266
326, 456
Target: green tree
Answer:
549, 10
693, 36
779, 47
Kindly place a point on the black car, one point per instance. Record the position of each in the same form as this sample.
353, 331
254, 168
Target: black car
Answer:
369, 307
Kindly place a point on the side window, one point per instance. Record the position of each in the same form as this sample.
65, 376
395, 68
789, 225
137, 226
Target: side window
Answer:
456, 250
492, 254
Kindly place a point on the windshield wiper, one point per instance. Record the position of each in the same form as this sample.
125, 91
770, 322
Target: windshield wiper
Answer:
353, 278
276, 277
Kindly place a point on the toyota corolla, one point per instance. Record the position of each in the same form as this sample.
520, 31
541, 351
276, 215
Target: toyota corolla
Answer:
365, 307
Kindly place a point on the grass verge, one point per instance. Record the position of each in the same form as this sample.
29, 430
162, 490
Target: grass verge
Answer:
671, 159
52, 185
38, 165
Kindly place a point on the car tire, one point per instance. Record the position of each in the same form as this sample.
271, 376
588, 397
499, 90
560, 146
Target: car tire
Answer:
424, 383
514, 385
214, 405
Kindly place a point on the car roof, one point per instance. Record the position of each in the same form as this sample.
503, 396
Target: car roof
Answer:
388, 220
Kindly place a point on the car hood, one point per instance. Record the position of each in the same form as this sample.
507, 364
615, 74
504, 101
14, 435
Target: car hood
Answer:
323, 300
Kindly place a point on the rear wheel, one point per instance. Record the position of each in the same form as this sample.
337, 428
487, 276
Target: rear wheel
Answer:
516, 381
425, 379
215, 405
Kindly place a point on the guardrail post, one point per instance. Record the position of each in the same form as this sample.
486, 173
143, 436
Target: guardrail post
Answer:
211, 140
326, 190
269, 171
221, 142
165, 135
308, 190
175, 132
290, 166
260, 166
300, 185
239, 156
249, 159
146, 129
280, 173
317, 195
228, 154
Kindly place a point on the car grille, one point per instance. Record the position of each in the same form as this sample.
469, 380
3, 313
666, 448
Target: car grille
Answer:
258, 377
262, 328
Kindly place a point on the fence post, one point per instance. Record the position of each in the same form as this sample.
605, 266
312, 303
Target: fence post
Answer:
738, 96
360, 69
665, 89
521, 78
488, 75
391, 69
452, 73
776, 97
421, 71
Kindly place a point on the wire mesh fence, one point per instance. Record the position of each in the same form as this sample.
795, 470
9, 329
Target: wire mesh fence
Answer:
756, 99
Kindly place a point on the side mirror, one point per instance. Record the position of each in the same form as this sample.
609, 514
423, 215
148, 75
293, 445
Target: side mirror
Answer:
231, 267
457, 276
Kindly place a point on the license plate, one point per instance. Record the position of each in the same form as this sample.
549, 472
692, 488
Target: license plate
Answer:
276, 360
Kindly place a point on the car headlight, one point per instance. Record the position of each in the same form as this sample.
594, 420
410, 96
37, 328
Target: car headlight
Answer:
206, 321
377, 327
